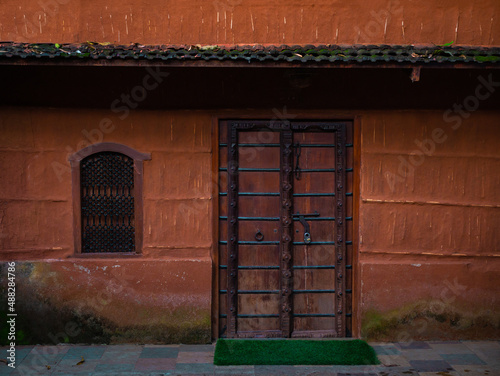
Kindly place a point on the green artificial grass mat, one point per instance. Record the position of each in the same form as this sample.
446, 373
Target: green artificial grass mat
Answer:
293, 352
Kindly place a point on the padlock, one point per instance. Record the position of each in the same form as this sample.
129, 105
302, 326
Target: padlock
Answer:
307, 238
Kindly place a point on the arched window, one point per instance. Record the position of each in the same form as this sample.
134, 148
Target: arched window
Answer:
107, 196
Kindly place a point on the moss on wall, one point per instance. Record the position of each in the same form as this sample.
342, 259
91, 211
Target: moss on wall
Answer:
44, 318
430, 320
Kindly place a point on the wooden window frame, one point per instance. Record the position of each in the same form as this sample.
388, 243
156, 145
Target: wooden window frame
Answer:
75, 161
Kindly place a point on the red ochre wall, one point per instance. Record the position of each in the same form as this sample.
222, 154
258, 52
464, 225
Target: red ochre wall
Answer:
427, 226
429, 220
163, 295
252, 21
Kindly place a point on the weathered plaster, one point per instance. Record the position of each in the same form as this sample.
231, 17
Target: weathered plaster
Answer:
113, 301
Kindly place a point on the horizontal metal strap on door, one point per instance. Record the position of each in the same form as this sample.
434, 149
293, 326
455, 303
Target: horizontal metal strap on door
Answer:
348, 291
277, 219
296, 315
253, 194
313, 291
252, 267
349, 170
314, 243
278, 170
314, 315
316, 219
313, 194
262, 316
253, 291
317, 145
277, 242
253, 145
257, 267
277, 194
317, 170
251, 243
243, 316
254, 218
224, 145
253, 169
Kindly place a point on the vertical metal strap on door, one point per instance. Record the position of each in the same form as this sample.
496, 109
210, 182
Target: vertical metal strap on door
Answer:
232, 232
340, 247
286, 239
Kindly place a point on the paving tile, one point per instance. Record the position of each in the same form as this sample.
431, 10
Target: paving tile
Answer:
159, 352
462, 359
114, 367
413, 345
197, 348
443, 342
314, 371
430, 365
355, 369
21, 353
357, 374
5, 369
155, 364
427, 354
195, 357
50, 350
386, 350
69, 367
195, 369
37, 368
123, 348
124, 373
488, 351
446, 373
393, 360
451, 348
234, 370
274, 370
88, 352
468, 370
43, 360
398, 371
126, 356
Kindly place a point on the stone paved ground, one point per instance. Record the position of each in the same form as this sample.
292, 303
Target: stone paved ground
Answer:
464, 358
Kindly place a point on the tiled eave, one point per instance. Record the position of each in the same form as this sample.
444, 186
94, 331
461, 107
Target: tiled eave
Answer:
374, 56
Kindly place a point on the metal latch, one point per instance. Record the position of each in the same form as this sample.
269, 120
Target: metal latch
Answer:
307, 228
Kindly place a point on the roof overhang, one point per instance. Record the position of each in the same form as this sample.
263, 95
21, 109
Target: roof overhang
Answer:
252, 56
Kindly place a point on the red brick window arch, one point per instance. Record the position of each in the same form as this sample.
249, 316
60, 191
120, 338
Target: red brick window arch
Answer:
107, 181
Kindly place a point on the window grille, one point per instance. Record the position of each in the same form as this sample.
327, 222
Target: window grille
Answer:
107, 203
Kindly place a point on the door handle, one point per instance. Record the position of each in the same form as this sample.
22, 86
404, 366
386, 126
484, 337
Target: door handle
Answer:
307, 228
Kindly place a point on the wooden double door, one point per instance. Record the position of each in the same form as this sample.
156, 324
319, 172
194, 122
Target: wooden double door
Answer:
285, 229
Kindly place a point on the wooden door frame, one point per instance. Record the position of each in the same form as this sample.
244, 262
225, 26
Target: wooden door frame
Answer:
298, 115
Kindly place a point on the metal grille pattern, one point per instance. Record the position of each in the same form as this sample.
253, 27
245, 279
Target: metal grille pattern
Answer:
107, 203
